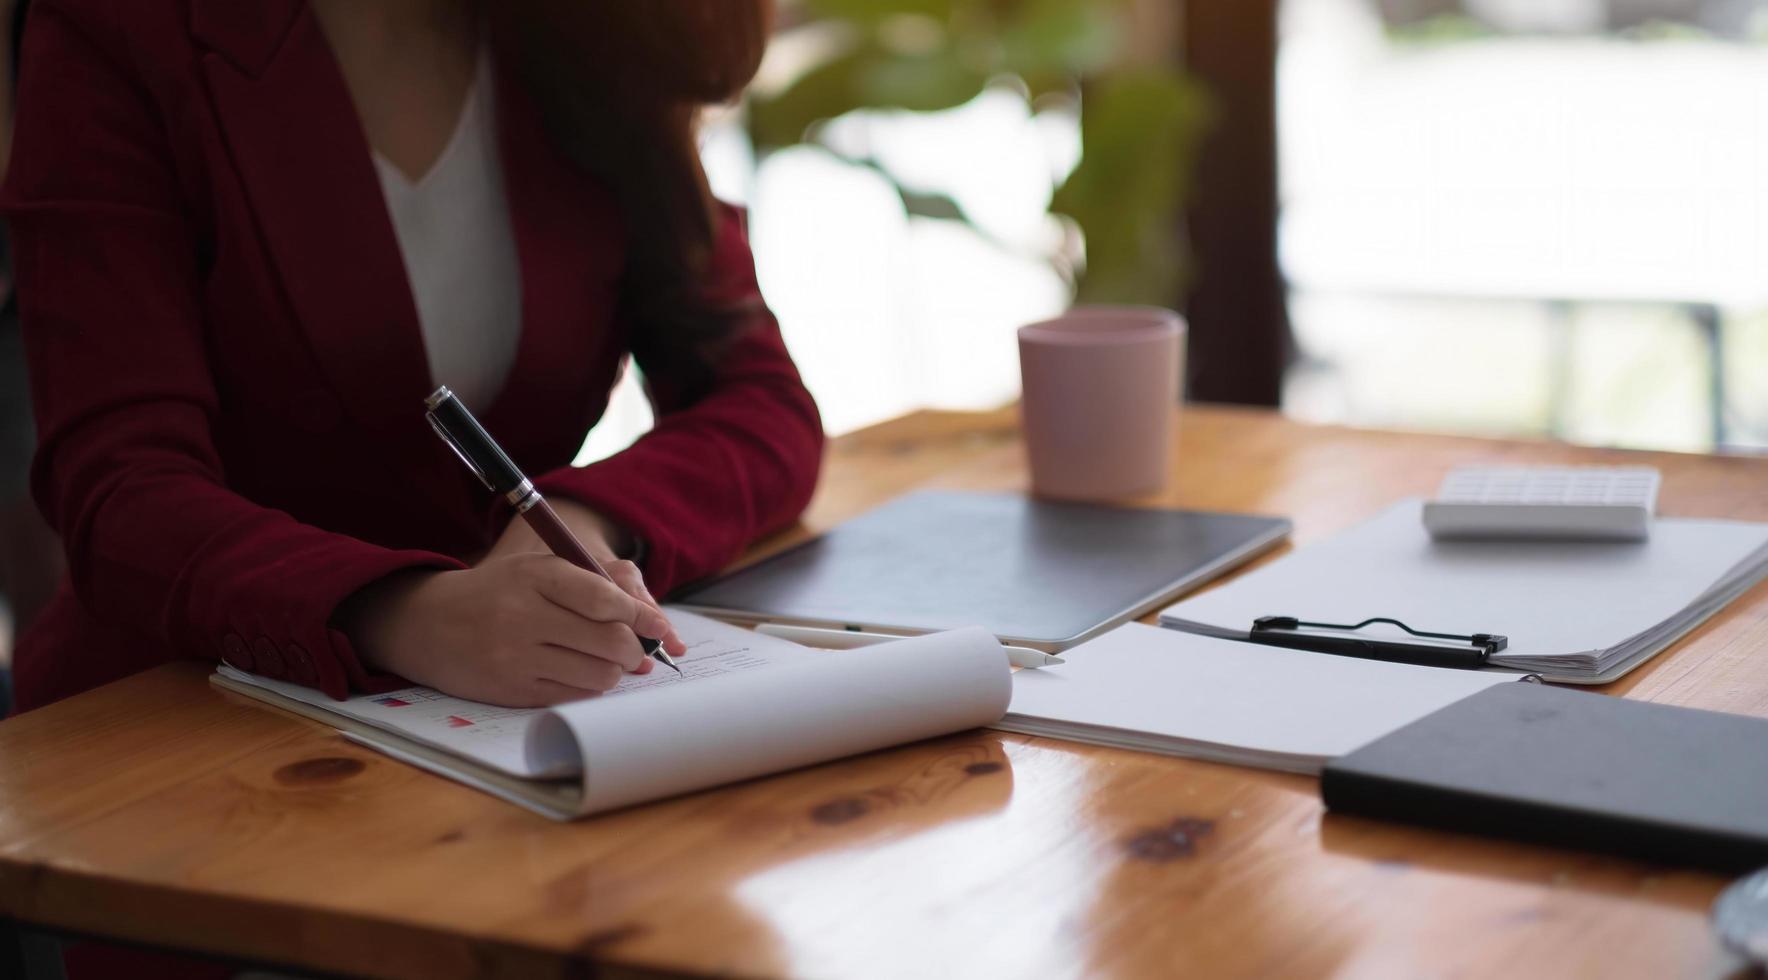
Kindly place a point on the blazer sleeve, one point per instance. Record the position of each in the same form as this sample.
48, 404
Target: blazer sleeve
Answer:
109, 280
718, 472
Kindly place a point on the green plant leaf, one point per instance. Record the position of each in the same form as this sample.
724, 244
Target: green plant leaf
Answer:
1065, 37
826, 91
871, 11
1139, 134
863, 77
918, 84
1140, 125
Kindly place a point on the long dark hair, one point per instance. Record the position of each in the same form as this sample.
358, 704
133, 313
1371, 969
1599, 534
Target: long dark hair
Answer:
620, 84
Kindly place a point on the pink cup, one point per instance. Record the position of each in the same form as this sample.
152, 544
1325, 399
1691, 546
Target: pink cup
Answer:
1101, 384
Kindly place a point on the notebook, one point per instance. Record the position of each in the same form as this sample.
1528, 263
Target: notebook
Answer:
1579, 612
1576, 769
746, 705
1155, 690
1035, 573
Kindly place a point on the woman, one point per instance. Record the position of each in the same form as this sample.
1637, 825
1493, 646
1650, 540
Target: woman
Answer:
252, 236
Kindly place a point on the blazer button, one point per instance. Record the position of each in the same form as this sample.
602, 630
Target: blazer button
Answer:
269, 660
300, 665
235, 652
316, 410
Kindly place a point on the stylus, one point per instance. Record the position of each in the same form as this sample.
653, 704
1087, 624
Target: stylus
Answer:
832, 639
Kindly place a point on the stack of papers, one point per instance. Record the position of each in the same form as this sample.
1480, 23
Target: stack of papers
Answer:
744, 705
1154, 690
1580, 612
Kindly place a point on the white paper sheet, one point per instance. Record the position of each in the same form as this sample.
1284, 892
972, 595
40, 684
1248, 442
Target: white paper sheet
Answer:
743, 724
1160, 690
1584, 604
497, 736
748, 704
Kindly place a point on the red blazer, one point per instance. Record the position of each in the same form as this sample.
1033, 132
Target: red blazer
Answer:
229, 374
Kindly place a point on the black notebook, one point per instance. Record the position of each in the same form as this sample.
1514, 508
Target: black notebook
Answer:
1032, 572
1574, 769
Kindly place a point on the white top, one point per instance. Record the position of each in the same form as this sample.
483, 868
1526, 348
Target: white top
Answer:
453, 226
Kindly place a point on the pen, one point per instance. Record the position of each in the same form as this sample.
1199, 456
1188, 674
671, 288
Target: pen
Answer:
832, 639
475, 447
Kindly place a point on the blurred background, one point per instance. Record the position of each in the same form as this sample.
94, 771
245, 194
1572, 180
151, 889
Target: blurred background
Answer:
1509, 217
1544, 218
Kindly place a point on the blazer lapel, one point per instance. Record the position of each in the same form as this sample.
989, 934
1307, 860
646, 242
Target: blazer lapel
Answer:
304, 161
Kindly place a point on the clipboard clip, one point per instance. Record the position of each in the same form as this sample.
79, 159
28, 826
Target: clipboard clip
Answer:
1468, 652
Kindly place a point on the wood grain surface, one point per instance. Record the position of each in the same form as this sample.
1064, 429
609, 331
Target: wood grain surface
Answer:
160, 810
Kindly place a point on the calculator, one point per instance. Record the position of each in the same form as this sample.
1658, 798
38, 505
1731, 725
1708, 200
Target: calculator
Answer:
1607, 503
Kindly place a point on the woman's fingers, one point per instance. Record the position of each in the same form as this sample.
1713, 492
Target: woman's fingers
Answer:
593, 597
628, 577
545, 693
573, 669
551, 623
632, 581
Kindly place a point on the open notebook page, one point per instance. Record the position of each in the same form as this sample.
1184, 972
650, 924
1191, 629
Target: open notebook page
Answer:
496, 737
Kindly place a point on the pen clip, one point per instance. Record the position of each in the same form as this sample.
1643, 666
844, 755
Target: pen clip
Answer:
448, 437
1486, 643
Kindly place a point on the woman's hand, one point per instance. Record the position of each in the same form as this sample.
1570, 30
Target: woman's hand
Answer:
523, 630
603, 538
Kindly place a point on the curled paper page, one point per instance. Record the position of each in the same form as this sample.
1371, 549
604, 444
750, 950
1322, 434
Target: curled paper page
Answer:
679, 738
745, 704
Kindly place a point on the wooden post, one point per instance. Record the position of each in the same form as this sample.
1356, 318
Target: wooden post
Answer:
1237, 308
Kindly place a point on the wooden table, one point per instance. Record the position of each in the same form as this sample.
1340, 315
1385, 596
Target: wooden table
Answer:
160, 810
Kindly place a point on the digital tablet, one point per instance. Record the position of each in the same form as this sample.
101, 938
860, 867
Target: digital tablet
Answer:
1035, 573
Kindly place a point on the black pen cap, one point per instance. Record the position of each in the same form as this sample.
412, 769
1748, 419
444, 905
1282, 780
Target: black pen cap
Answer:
449, 417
